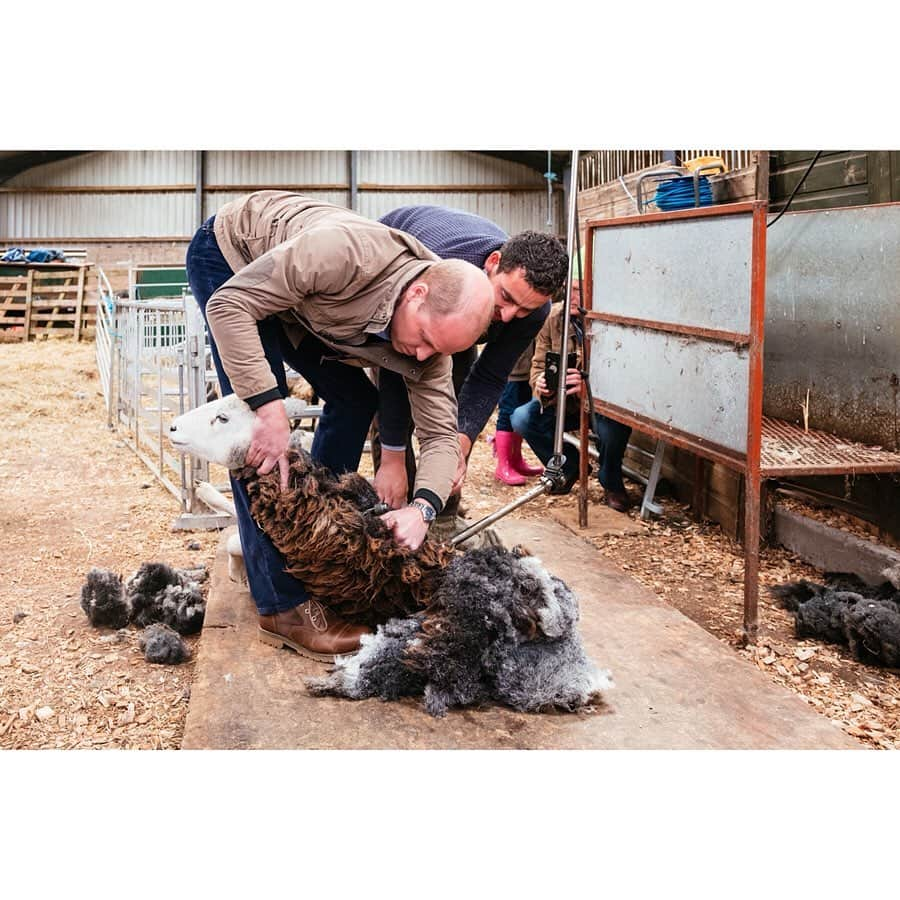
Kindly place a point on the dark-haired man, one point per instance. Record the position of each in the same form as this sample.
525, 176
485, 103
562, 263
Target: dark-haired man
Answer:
524, 271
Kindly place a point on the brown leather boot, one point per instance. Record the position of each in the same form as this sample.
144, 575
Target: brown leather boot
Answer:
312, 631
617, 500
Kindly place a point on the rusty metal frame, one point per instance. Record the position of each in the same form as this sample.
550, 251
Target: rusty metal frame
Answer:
747, 463
739, 339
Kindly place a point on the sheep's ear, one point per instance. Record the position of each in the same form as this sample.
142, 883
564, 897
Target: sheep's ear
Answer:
294, 407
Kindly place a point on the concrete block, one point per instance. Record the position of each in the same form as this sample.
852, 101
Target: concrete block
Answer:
831, 549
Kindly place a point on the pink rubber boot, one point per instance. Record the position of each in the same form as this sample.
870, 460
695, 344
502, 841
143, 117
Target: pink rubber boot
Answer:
502, 446
517, 461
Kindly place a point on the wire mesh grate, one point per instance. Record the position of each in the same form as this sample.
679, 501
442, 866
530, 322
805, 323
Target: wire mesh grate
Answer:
789, 450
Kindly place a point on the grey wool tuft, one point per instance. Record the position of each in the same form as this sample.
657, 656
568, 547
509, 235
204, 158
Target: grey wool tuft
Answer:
845, 610
163, 645
103, 599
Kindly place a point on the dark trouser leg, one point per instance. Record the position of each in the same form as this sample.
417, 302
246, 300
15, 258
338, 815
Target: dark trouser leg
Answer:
515, 394
539, 430
350, 403
272, 589
613, 443
462, 363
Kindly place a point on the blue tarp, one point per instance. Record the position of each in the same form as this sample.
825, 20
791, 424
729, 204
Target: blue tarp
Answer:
38, 255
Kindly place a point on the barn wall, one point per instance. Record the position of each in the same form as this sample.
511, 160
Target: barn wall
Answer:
151, 195
132, 207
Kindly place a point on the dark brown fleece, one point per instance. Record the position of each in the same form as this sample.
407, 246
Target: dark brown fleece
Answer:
346, 559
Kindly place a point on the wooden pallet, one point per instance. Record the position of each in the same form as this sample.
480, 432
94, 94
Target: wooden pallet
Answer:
38, 300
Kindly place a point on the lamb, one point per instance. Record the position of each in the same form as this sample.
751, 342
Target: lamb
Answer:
498, 628
847, 611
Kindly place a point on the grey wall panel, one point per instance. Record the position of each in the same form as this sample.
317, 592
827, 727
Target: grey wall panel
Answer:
96, 215
112, 167
441, 167
833, 321
277, 167
169, 214
692, 271
513, 211
696, 386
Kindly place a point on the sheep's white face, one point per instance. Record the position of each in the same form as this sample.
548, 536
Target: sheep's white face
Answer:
219, 431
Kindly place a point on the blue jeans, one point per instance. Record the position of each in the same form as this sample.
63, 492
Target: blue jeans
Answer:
350, 399
539, 430
514, 395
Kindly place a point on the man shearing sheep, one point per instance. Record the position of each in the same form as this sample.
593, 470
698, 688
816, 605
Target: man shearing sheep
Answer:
286, 278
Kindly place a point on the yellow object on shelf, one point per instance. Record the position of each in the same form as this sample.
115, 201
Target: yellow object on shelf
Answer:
699, 162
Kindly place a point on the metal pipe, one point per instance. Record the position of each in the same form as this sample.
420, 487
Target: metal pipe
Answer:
354, 180
570, 246
200, 163
481, 524
549, 176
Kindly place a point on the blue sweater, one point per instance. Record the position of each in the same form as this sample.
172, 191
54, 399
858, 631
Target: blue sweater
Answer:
454, 234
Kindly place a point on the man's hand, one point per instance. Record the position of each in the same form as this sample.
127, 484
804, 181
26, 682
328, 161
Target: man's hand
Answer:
269, 440
573, 384
391, 482
573, 381
408, 525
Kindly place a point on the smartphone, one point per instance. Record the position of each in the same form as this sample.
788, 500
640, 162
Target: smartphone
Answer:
552, 368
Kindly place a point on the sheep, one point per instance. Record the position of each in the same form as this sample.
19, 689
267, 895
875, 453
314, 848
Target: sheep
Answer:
345, 556
498, 628
458, 627
220, 431
325, 526
847, 611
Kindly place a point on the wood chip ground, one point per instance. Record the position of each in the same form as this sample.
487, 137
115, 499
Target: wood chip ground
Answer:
73, 496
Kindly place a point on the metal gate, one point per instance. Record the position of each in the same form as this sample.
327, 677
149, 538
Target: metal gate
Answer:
154, 365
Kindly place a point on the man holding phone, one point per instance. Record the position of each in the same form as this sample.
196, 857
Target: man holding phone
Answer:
536, 420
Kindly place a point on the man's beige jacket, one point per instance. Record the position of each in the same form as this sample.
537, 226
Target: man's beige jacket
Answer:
326, 270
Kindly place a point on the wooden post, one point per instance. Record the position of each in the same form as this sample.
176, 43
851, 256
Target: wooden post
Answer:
698, 498
29, 296
79, 303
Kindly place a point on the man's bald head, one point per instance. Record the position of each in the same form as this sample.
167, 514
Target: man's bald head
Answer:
445, 310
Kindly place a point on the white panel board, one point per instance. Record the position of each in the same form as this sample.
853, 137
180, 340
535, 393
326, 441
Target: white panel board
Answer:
696, 386
688, 271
